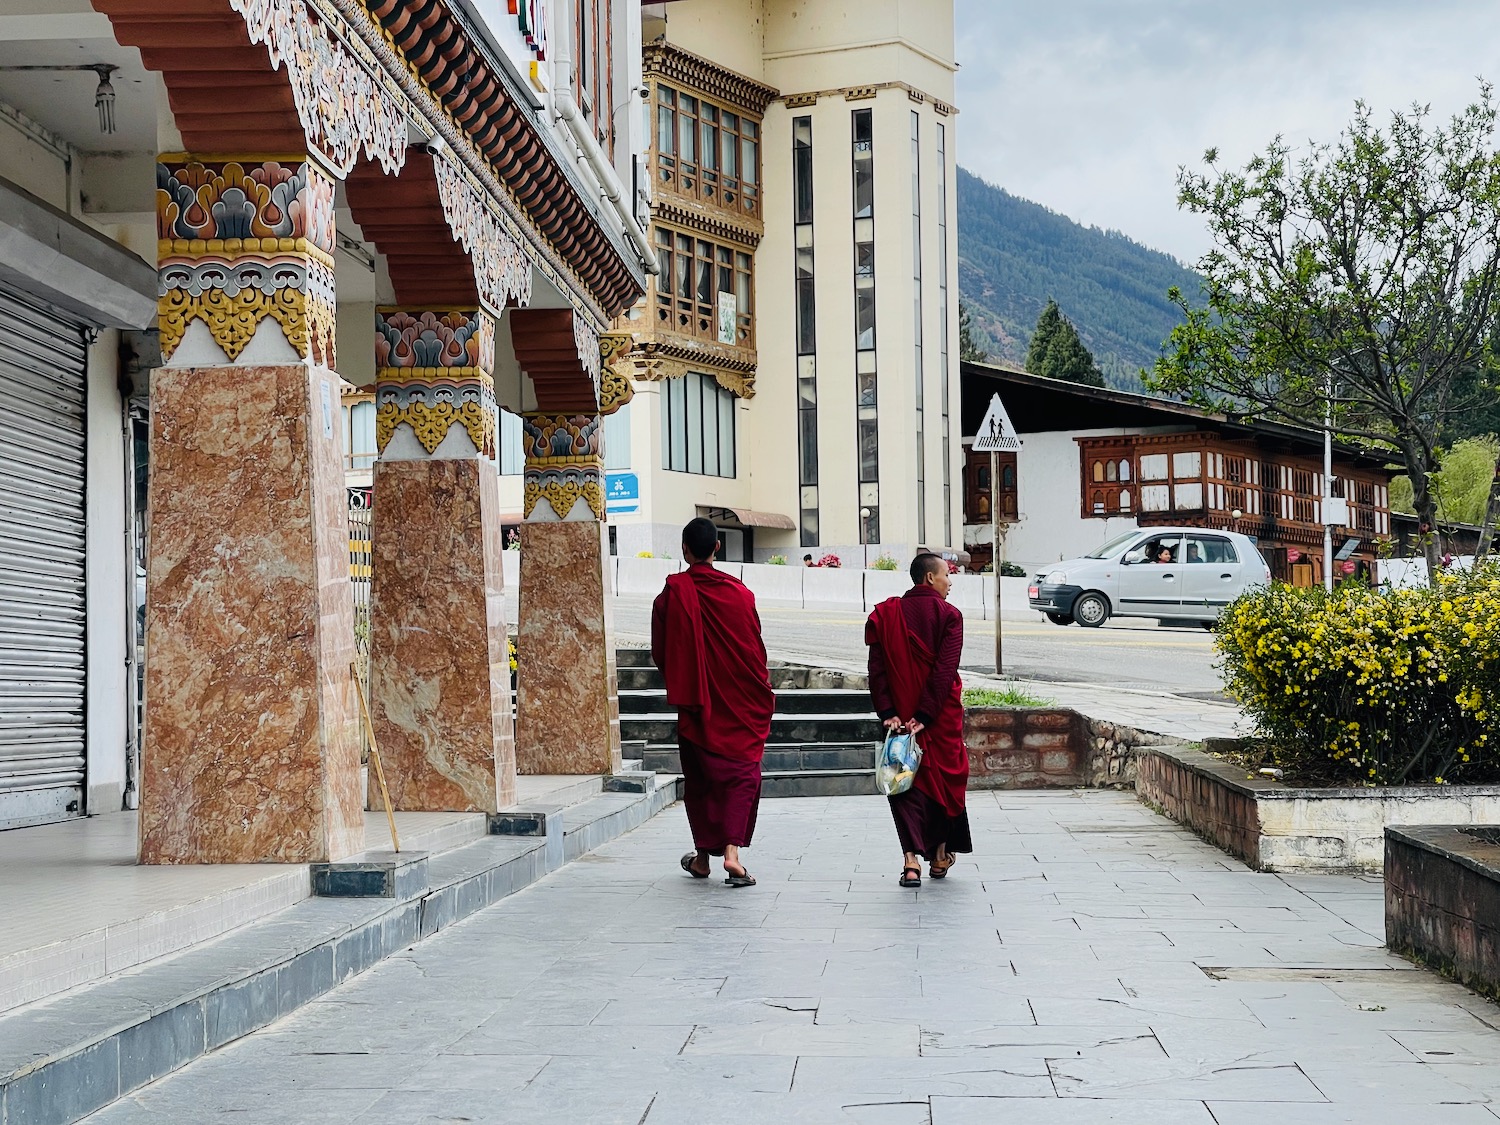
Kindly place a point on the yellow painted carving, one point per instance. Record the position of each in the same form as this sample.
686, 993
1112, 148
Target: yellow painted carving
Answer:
232, 321
562, 495
432, 421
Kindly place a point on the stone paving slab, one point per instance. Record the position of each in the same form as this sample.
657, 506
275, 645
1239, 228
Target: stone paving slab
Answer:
1089, 964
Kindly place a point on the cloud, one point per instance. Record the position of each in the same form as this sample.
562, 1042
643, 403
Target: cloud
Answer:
1090, 106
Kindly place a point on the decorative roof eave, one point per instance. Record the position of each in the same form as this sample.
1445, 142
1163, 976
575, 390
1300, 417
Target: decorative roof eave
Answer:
669, 61
465, 97
864, 93
707, 220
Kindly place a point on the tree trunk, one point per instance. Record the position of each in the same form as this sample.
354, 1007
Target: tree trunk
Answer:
1424, 503
1491, 517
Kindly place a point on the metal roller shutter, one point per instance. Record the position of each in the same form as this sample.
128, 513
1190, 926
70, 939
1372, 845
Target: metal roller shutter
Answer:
42, 559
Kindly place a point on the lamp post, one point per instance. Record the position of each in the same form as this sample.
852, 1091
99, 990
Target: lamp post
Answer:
864, 536
1328, 486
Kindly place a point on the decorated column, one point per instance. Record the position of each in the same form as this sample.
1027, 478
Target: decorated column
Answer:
251, 743
568, 711
439, 667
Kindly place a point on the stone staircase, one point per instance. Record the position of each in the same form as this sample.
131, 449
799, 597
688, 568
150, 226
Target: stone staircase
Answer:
824, 734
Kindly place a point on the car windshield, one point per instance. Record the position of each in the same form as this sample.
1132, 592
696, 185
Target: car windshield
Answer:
1113, 546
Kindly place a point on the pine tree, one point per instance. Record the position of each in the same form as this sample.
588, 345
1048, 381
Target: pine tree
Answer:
969, 350
1057, 351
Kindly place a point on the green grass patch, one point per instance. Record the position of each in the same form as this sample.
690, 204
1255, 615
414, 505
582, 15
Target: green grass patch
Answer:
1010, 696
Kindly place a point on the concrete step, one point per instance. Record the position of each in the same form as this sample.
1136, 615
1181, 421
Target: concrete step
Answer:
633, 658
818, 783
807, 701
660, 728
70, 1056
784, 677
782, 759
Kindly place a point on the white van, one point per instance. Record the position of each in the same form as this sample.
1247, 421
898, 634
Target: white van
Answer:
1186, 574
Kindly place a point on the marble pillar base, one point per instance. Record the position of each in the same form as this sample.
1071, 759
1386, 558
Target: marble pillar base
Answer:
251, 744
568, 707
439, 666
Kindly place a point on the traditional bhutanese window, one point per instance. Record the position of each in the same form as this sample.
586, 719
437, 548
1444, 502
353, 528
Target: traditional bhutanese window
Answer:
704, 288
706, 150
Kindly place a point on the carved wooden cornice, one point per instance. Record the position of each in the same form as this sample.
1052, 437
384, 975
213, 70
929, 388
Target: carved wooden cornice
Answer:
708, 220
864, 93
699, 75
665, 357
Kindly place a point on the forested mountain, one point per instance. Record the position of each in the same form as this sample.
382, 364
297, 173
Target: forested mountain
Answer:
1014, 254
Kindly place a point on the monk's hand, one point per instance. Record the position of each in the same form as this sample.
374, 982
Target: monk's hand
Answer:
914, 727
894, 723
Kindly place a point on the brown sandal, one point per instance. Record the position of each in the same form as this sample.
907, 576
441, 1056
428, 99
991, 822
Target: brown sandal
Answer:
940, 871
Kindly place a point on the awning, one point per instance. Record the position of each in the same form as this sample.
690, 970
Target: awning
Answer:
747, 517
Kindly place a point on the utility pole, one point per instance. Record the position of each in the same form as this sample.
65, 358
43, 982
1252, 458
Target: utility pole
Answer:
996, 435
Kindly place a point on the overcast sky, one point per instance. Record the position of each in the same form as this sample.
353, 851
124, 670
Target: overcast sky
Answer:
1090, 106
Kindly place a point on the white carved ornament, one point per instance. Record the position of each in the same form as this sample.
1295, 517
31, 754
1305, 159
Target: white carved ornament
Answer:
341, 106
502, 270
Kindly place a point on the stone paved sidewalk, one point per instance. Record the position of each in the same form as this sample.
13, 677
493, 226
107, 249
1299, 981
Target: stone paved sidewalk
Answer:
1091, 963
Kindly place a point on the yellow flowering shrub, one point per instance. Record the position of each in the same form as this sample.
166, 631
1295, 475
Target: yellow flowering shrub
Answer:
1379, 687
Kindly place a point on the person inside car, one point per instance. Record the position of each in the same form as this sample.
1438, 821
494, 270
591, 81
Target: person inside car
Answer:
1163, 554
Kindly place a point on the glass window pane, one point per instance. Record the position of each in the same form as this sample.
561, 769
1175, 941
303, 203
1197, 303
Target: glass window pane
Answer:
711, 392
684, 284
807, 420
864, 184
749, 161
806, 338
678, 428
710, 146
693, 421
687, 133
666, 130
617, 439
728, 457
869, 450
705, 280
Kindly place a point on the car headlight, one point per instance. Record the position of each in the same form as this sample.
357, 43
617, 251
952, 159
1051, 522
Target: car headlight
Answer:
1057, 577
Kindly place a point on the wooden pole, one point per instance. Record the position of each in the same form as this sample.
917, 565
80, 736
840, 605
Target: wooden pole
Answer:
995, 556
385, 795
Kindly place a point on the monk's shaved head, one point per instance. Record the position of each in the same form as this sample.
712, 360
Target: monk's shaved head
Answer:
924, 564
700, 538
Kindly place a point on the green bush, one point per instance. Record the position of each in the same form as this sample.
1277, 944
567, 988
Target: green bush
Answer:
885, 562
1380, 687
1011, 570
1008, 696
776, 560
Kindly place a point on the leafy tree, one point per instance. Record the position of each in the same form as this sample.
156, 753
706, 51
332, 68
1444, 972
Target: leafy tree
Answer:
968, 348
1360, 278
1461, 484
1058, 353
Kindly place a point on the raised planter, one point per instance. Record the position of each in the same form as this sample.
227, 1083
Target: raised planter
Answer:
1442, 900
1048, 748
1276, 827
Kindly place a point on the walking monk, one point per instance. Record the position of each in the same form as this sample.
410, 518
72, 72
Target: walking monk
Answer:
705, 638
915, 644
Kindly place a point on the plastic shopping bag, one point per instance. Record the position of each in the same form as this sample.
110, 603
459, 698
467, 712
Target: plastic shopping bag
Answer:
896, 764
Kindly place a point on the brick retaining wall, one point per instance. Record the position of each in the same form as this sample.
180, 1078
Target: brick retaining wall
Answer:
1442, 902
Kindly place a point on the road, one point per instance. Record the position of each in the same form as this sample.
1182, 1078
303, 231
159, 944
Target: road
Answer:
1090, 964
1131, 654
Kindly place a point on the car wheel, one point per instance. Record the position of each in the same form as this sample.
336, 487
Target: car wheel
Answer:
1091, 610
1209, 625
1059, 619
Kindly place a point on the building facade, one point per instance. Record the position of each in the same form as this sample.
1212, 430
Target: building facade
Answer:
1095, 463
218, 222
795, 355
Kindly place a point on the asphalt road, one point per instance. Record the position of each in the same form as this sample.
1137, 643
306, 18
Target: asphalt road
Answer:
1129, 653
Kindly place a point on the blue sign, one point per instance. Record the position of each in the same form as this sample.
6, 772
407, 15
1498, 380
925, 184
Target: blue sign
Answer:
622, 492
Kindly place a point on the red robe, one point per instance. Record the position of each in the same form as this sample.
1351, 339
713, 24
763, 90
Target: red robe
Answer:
915, 645
705, 638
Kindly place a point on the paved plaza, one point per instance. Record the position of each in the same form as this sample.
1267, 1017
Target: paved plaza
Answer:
1090, 963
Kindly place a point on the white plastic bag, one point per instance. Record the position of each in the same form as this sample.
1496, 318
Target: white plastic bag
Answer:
896, 764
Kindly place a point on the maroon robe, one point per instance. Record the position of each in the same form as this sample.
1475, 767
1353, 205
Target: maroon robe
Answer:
916, 642
705, 638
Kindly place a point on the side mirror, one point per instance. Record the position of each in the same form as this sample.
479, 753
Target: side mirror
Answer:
1137, 555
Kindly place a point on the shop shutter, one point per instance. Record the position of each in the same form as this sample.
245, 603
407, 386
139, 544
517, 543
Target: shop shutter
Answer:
42, 562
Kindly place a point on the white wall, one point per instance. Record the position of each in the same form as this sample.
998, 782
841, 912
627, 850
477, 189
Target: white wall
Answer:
110, 587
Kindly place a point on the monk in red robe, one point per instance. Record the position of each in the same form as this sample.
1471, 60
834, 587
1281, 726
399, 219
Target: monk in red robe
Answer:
705, 638
915, 642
